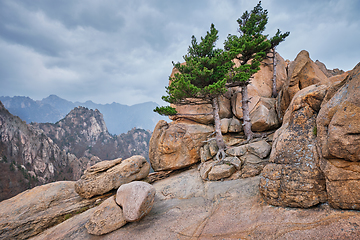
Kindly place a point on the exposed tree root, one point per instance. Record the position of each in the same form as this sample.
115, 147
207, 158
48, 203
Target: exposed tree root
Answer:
221, 152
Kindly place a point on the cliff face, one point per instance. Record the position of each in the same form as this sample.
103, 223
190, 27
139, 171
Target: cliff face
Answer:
28, 156
80, 130
83, 133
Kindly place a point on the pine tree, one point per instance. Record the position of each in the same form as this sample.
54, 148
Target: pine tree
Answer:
210, 71
201, 80
276, 40
250, 48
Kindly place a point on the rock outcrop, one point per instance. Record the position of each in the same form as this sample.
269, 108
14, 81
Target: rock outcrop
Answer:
261, 85
293, 179
108, 175
302, 73
338, 129
177, 144
31, 212
202, 113
186, 207
171, 147
329, 73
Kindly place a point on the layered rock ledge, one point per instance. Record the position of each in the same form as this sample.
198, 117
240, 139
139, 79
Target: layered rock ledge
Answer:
187, 207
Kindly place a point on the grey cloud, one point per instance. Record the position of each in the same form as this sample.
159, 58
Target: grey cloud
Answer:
121, 51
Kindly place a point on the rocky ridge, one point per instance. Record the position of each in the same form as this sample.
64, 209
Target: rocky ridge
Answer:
307, 169
83, 132
53, 108
186, 207
28, 156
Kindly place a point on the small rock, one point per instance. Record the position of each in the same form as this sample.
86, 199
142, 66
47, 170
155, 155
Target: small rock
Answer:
253, 165
205, 154
260, 148
213, 148
136, 199
224, 125
251, 170
107, 218
235, 125
205, 168
221, 171
237, 151
236, 162
251, 158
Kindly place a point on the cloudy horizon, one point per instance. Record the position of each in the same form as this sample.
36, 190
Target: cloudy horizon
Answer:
121, 51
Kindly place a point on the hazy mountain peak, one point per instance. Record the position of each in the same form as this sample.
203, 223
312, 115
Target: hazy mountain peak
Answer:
119, 118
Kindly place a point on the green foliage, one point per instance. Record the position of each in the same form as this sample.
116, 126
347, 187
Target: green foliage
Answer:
4, 158
278, 38
203, 76
315, 130
208, 71
251, 46
165, 111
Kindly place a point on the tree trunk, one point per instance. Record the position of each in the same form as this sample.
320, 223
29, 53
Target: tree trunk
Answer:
274, 92
246, 112
219, 138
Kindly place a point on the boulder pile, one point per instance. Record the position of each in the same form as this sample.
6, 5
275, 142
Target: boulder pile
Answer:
187, 140
108, 175
132, 202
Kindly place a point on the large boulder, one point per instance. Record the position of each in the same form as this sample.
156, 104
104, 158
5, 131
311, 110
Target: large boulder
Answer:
263, 116
37, 209
186, 207
293, 179
136, 199
108, 175
202, 113
302, 72
177, 144
338, 128
261, 84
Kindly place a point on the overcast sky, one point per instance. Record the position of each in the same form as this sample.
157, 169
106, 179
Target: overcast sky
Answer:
121, 51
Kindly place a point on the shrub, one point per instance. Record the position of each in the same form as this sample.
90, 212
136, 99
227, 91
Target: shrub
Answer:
315, 130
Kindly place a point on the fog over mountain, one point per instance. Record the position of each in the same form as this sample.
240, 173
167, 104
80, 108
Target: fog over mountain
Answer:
119, 118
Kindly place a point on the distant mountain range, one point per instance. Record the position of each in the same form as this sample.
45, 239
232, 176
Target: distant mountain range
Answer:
39, 153
118, 118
